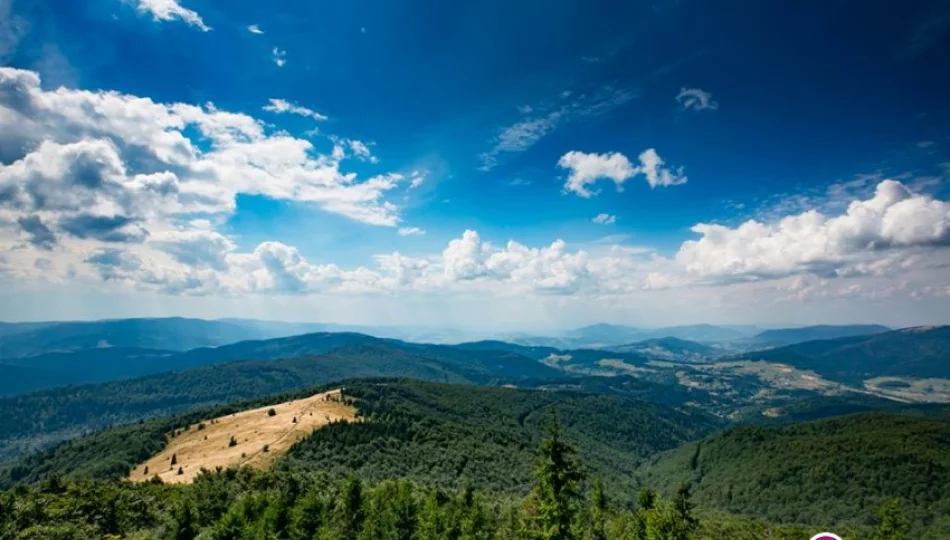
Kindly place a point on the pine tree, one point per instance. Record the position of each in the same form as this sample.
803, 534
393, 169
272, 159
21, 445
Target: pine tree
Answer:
350, 510
599, 510
174, 459
558, 490
893, 525
185, 526
684, 523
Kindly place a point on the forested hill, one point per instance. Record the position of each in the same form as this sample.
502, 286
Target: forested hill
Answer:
36, 420
787, 336
911, 352
437, 434
825, 472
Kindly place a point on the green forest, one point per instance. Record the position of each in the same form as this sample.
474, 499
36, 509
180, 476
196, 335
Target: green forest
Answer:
433, 455
564, 502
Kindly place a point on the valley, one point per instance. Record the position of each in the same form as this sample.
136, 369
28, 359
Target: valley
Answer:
647, 414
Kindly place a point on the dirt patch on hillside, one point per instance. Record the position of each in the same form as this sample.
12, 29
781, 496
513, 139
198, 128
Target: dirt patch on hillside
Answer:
208, 444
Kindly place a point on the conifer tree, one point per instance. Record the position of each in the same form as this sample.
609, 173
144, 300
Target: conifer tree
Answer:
599, 510
684, 523
558, 479
350, 510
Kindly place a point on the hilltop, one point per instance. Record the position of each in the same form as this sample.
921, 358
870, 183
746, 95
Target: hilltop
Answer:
829, 471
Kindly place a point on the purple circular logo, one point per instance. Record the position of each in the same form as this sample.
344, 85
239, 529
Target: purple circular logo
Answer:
826, 536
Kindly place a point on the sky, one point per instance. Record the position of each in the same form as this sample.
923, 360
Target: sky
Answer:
497, 165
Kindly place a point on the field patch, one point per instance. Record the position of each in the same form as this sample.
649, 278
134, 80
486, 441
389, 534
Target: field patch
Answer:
255, 438
910, 389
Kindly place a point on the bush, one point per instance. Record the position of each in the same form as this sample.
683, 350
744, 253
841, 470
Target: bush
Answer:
271, 412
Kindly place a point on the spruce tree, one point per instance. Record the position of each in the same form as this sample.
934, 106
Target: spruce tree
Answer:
350, 509
599, 510
559, 477
185, 526
684, 523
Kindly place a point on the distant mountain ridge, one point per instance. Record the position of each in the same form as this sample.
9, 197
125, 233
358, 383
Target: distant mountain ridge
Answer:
173, 333
911, 352
55, 414
669, 348
788, 336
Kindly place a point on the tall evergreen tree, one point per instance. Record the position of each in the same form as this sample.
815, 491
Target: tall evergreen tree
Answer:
185, 526
558, 480
350, 510
684, 523
599, 510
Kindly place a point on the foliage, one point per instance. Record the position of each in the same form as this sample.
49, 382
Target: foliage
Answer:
241, 504
34, 421
450, 435
834, 471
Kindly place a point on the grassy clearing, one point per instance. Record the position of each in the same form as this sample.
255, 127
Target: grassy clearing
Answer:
256, 438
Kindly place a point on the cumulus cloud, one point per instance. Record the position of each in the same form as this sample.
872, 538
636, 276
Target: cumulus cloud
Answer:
281, 106
696, 99
587, 169
254, 29
604, 219
81, 171
894, 218
651, 165
111, 155
106, 187
169, 10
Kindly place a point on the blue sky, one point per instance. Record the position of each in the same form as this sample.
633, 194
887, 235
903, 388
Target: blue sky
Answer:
519, 123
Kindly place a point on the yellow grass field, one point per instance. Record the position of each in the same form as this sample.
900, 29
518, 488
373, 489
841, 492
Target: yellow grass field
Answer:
208, 447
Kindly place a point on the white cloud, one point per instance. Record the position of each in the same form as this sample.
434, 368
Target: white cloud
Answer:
604, 219
411, 231
281, 106
651, 165
892, 219
169, 10
113, 192
587, 169
254, 29
110, 165
696, 99
280, 57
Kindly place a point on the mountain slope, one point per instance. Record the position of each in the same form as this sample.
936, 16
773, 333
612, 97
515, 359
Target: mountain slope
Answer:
830, 472
670, 348
449, 435
175, 333
789, 336
911, 352
441, 434
36, 420
86, 366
